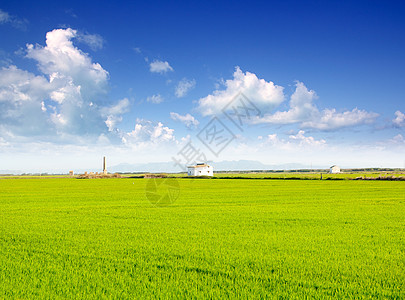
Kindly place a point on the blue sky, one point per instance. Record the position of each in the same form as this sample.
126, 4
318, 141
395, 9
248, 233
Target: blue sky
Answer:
138, 82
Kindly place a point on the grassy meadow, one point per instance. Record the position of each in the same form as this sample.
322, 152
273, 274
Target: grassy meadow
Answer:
103, 238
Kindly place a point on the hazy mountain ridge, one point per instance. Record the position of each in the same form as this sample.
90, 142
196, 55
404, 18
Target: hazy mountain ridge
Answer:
10, 172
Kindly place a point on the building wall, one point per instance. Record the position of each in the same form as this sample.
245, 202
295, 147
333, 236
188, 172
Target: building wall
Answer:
201, 171
334, 169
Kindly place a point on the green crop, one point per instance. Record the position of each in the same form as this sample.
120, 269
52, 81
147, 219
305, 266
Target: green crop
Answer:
221, 238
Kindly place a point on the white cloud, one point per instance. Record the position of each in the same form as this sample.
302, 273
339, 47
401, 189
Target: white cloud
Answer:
94, 41
302, 110
294, 142
3, 142
76, 82
161, 67
68, 101
265, 95
306, 140
14, 21
329, 119
156, 99
60, 59
118, 109
18, 85
21, 95
147, 132
114, 113
399, 120
184, 86
398, 139
187, 120
112, 121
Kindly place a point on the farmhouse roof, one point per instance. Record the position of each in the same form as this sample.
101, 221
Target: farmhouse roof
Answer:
198, 166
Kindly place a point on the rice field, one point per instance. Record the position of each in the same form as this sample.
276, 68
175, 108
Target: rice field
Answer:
105, 238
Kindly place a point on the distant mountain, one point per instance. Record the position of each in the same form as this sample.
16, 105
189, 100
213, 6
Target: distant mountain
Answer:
10, 172
156, 167
235, 165
249, 165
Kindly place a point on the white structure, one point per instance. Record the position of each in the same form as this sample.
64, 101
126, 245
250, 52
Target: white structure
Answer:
334, 170
200, 170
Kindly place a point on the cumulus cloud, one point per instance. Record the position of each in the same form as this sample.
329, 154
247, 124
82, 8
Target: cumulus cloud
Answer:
306, 140
264, 94
75, 82
303, 110
60, 59
184, 86
67, 103
158, 66
187, 120
14, 21
67, 100
148, 132
399, 120
155, 99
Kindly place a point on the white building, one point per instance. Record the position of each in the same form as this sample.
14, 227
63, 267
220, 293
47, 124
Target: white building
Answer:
200, 170
334, 169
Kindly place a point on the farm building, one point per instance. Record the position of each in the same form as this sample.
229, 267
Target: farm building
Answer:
334, 169
200, 170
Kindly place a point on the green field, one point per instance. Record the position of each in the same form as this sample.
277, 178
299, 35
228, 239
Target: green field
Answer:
309, 175
102, 238
293, 175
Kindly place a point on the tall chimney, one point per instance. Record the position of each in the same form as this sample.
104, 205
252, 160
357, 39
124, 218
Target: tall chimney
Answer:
104, 166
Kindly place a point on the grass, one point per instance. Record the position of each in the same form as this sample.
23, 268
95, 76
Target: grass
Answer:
293, 175
308, 175
65, 238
